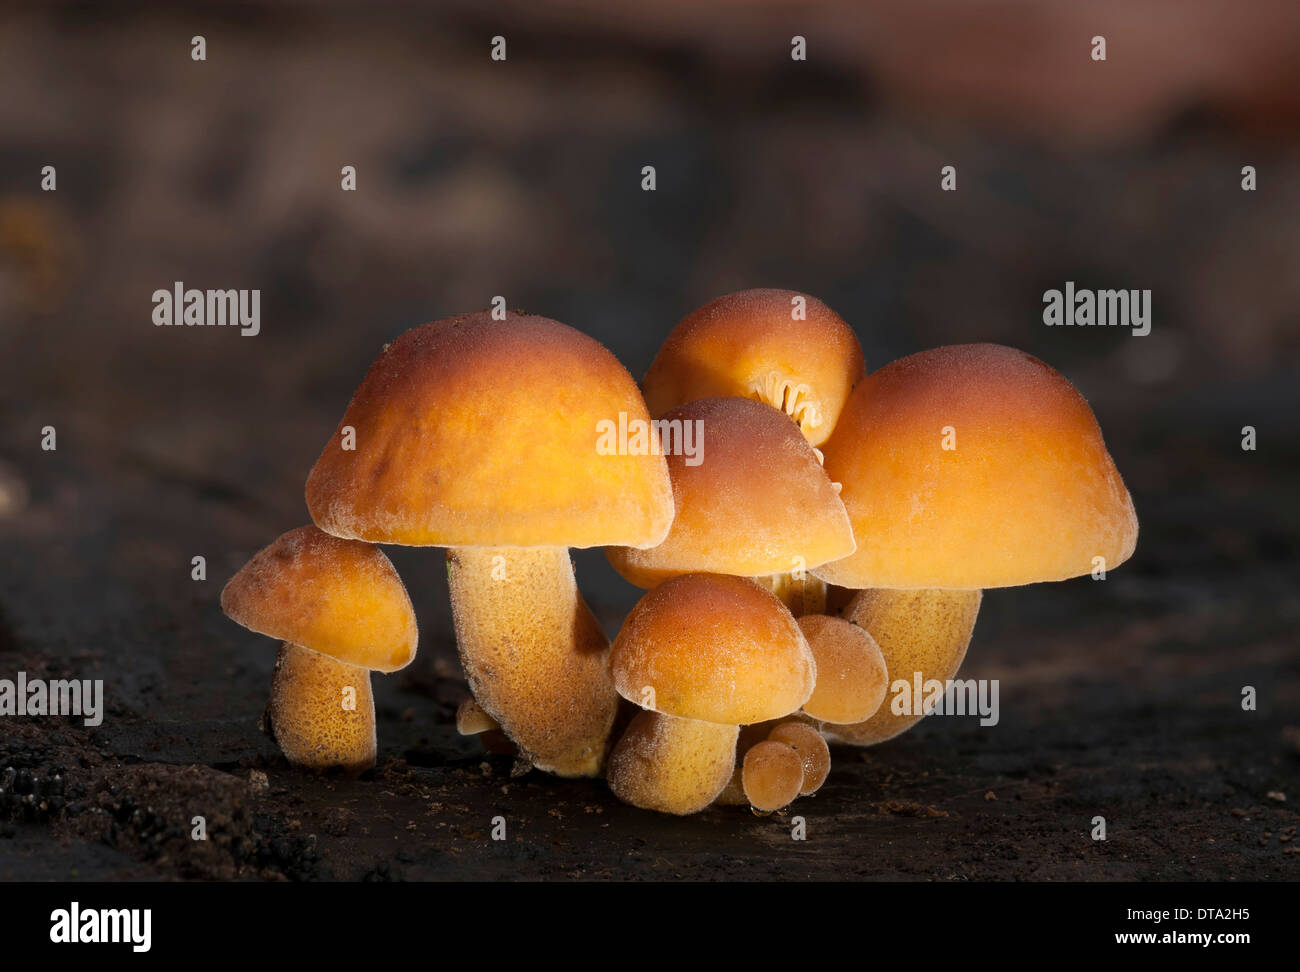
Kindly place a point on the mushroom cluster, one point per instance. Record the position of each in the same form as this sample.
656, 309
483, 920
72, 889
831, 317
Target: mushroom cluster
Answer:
829, 530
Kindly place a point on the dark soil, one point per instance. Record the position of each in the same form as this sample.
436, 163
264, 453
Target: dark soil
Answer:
1119, 699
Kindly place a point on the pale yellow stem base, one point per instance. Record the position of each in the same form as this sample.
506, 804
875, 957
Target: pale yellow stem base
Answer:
801, 592
322, 712
534, 655
672, 765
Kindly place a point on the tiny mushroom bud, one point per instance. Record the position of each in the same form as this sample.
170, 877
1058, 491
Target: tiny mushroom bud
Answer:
733, 794
773, 775
851, 675
341, 611
471, 719
812, 749
711, 652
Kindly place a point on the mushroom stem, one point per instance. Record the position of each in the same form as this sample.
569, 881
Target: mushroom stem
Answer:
923, 631
321, 712
798, 590
534, 655
672, 765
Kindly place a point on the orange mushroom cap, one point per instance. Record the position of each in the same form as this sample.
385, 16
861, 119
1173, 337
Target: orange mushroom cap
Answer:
341, 598
752, 344
756, 501
1026, 493
471, 431
713, 648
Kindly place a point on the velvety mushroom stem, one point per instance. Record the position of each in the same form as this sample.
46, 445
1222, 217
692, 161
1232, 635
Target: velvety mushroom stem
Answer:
670, 764
321, 712
925, 631
534, 655
799, 591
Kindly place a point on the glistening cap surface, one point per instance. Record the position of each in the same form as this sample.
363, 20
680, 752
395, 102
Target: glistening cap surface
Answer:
341, 598
476, 432
713, 648
755, 502
1027, 492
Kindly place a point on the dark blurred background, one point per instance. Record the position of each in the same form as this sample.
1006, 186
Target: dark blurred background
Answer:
522, 178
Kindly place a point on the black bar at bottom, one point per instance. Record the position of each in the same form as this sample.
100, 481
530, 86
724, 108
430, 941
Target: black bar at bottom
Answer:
251, 922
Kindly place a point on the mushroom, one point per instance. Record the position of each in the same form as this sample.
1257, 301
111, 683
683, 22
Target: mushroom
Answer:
341, 612
484, 436
756, 344
964, 468
814, 754
471, 720
852, 677
733, 794
703, 654
757, 503
780, 347
773, 775
771, 784
925, 632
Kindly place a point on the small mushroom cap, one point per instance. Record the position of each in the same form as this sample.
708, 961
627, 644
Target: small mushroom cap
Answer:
921, 634
341, 598
750, 345
714, 648
812, 749
852, 678
472, 720
757, 500
772, 775
1028, 493
475, 432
